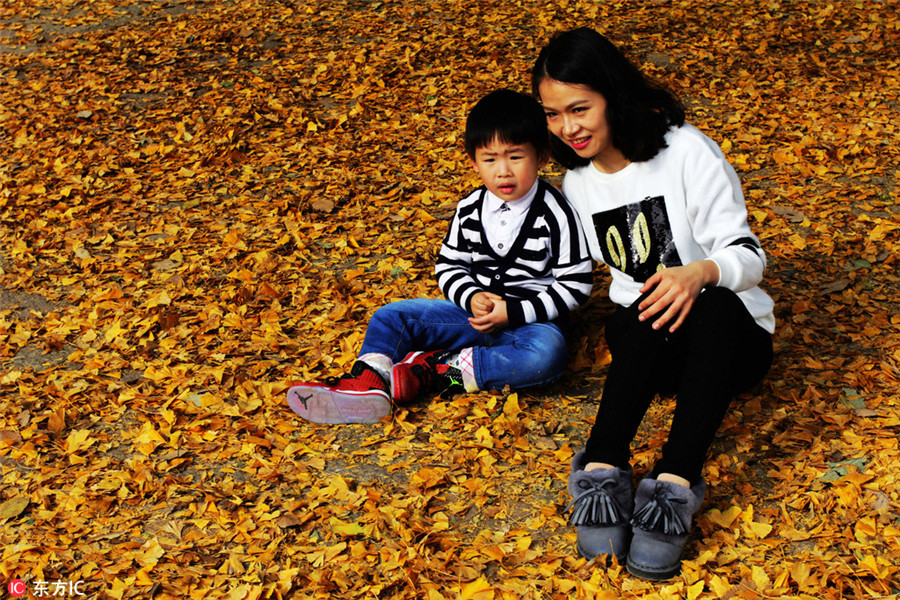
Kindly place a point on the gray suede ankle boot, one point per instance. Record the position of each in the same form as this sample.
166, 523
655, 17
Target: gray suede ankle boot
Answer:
601, 509
661, 524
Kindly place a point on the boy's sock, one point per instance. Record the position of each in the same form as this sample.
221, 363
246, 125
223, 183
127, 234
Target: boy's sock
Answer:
464, 361
380, 362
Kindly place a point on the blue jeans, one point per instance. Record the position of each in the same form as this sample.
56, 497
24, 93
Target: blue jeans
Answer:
518, 357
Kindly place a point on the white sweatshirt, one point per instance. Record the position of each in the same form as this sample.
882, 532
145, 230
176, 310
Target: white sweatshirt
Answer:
683, 205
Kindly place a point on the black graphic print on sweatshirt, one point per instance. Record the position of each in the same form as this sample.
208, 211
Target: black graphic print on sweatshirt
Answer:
637, 238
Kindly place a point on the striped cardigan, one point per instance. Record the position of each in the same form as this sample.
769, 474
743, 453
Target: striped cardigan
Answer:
546, 273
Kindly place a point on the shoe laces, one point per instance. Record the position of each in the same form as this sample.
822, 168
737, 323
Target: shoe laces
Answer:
660, 513
448, 381
333, 381
595, 504
423, 374
358, 369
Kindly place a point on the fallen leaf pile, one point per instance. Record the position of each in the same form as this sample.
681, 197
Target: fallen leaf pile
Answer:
202, 201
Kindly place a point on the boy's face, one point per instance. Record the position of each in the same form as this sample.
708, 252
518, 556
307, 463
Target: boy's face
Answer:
508, 170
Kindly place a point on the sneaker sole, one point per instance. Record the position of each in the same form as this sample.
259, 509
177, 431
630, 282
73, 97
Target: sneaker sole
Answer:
321, 404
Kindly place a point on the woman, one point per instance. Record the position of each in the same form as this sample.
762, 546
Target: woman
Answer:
664, 210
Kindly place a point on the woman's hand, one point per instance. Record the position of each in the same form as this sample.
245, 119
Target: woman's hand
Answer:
495, 320
483, 302
676, 290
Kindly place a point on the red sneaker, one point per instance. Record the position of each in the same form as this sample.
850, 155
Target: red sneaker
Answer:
360, 397
413, 375
422, 372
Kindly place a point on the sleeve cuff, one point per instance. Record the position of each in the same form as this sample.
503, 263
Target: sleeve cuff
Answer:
515, 313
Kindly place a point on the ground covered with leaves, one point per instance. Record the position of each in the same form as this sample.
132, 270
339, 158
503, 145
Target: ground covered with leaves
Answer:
202, 201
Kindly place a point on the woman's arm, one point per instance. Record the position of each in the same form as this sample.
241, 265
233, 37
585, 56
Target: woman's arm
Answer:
717, 214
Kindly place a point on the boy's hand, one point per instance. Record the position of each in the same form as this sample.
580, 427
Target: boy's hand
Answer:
483, 302
493, 321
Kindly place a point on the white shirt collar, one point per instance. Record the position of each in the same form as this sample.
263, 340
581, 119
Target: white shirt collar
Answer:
516, 207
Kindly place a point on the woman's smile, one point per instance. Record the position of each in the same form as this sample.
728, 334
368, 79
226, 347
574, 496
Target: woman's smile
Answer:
579, 143
576, 114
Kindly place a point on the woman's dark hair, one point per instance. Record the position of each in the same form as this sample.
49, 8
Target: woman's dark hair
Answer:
639, 111
510, 117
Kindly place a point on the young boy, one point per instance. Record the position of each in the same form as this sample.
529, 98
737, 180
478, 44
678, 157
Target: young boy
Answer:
512, 265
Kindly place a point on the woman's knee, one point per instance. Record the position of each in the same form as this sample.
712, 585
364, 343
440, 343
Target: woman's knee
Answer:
719, 310
627, 335
718, 300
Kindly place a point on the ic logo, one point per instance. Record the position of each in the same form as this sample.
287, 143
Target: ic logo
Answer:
17, 588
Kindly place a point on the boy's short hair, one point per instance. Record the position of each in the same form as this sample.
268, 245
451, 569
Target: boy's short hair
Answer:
507, 116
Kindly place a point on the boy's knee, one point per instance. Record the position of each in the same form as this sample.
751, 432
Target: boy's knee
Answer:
384, 313
399, 308
546, 353
533, 370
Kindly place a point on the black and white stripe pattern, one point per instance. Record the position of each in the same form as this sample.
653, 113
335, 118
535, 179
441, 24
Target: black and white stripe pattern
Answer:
545, 274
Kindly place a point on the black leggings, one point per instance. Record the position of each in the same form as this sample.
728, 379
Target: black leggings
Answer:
718, 352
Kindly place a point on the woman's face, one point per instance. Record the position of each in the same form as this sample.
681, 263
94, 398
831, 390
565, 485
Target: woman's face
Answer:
576, 114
